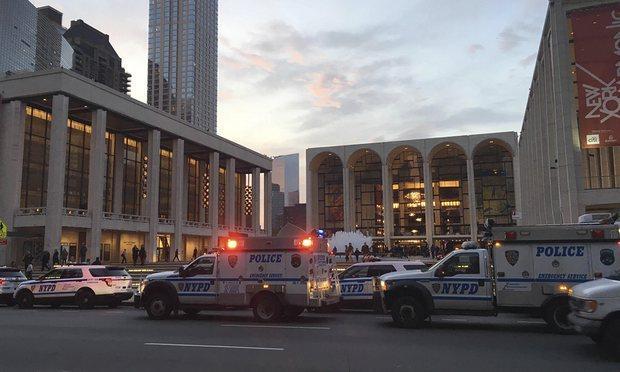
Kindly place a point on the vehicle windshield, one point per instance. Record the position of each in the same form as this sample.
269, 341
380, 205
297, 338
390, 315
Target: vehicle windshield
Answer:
11, 273
108, 271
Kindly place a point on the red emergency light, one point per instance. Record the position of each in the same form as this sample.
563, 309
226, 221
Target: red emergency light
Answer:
598, 234
511, 235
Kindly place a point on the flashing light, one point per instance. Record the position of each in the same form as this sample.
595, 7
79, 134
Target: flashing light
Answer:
231, 244
511, 235
598, 234
307, 243
265, 286
563, 288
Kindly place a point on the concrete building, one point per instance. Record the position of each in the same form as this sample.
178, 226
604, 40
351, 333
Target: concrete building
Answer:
565, 169
182, 60
84, 164
384, 189
277, 207
95, 58
286, 174
31, 39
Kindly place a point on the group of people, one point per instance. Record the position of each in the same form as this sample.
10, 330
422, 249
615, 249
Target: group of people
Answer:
369, 253
137, 255
366, 252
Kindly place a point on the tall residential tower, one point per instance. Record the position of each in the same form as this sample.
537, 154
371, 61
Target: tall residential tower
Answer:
182, 65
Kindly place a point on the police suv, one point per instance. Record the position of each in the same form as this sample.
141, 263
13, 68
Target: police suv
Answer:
527, 269
356, 281
84, 286
10, 277
275, 277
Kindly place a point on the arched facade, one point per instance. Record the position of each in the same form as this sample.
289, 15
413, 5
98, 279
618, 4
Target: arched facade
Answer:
407, 190
329, 196
367, 186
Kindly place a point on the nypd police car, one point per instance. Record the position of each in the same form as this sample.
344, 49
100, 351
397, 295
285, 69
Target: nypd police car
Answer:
10, 277
84, 286
356, 281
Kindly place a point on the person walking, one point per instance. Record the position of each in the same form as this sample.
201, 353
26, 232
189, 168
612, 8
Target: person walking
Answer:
63, 256
29, 271
357, 255
55, 258
124, 256
142, 255
45, 261
176, 255
335, 251
195, 253
27, 260
135, 252
365, 249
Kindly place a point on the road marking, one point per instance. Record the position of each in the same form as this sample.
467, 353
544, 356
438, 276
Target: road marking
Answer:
383, 317
530, 322
272, 326
215, 346
454, 320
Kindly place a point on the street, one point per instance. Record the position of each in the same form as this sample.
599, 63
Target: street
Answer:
68, 339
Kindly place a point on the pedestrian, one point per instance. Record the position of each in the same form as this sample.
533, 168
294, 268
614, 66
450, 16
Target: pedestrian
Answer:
63, 256
55, 258
142, 254
29, 270
45, 261
135, 252
195, 253
27, 259
335, 251
124, 256
365, 249
97, 261
176, 255
83, 250
357, 255
375, 249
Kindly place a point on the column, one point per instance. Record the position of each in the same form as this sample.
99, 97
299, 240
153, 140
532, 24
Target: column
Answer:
388, 208
214, 181
202, 169
311, 204
178, 192
231, 200
471, 189
256, 200
516, 172
12, 119
96, 181
346, 198
268, 206
428, 202
56, 172
119, 172
244, 184
152, 193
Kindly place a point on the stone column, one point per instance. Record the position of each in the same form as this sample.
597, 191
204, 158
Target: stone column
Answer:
178, 192
231, 200
256, 200
311, 204
12, 119
96, 181
388, 208
428, 202
346, 198
471, 189
152, 194
214, 181
119, 173
202, 169
56, 172
268, 204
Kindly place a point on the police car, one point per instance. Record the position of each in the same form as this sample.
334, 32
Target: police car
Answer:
84, 286
10, 277
356, 282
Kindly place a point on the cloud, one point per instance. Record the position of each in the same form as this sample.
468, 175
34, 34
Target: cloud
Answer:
528, 60
474, 48
509, 39
324, 87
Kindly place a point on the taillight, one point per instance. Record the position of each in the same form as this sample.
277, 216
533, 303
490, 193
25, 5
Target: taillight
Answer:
1, 281
108, 281
598, 234
511, 235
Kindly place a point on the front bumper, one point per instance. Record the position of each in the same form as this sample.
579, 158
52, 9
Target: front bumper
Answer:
6, 297
137, 300
379, 303
584, 325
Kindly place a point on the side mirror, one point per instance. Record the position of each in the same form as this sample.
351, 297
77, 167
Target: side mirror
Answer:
182, 271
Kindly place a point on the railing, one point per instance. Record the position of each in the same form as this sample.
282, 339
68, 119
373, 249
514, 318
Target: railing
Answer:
75, 212
124, 217
166, 221
35, 211
196, 224
223, 227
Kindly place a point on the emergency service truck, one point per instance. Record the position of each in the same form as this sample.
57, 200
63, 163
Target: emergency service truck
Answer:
523, 269
276, 277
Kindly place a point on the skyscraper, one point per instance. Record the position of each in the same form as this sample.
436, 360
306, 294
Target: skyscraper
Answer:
286, 174
182, 64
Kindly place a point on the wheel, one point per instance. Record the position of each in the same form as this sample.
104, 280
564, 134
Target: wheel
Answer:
267, 308
292, 312
25, 299
85, 299
408, 312
191, 311
610, 340
158, 306
556, 316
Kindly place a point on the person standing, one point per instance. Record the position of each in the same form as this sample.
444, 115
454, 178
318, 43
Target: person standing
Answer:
134, 254
29, 271
365, 249
357, 255
83, 250
45, 261
63, 256
55, 258
27, 260
124, 256
195, 253
176, 255
142, 255
335, 251
97, 261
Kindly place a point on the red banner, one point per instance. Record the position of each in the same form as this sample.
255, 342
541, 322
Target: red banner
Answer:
596, 35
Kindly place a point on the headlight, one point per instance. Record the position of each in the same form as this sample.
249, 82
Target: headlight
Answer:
142, 285
383, 286
589, 306
570, 291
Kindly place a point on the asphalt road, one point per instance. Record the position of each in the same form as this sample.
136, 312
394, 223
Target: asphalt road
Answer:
123, 339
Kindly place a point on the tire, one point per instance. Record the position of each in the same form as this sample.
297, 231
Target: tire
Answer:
191, 311
25, 299
158, 306
610, 340
267, 308
292, 312
85, 299
408, 312
556, 316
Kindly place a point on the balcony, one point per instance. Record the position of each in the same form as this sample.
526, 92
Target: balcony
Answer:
74, 212
35, 211
124, 217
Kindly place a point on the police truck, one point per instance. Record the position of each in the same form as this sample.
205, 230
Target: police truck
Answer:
275, 277
522, 269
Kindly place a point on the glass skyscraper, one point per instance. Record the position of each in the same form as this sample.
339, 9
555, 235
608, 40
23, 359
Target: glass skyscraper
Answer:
182, 64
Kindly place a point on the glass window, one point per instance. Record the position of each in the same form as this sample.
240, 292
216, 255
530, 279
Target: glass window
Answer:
165, 183
355, 272
368, 194
408, 194
378, 270
495, 196
108, 271
71, 274
202, 266
36, 158
416, 267
330, 194
463, 263
54, 274
11, 273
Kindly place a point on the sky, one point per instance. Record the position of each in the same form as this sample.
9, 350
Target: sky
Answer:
309, 73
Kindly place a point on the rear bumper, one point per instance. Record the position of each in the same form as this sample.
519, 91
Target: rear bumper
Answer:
121, 296
584, 325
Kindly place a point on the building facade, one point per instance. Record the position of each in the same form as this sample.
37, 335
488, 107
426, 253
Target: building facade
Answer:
286, 174
90, 166
436, 190
31, 39
182, 60
296, 215
566, 168
95, 58
277, 208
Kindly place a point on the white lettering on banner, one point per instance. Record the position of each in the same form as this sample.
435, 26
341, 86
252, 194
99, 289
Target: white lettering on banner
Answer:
563, 276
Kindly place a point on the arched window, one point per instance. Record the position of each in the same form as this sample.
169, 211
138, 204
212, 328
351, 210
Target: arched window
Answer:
330, 197
495, 190
368, 194
408, 199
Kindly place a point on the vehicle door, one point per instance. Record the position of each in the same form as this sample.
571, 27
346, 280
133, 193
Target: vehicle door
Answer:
352, 282
197, 284
70, 282
461, 282
45, 286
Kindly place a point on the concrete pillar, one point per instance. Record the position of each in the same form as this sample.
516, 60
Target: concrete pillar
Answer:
268, 203
12, 119
231, 200
471, 189
346, 198
56, 172
96, 181
388, 209
214, 181
202, 170
119, 173
311, 203
256, 200
178, 192
428, 202
152, 194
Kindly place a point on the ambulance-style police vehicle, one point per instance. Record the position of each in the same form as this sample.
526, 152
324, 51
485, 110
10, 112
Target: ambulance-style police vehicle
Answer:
10, 277
276, 277
81, 285
525, 269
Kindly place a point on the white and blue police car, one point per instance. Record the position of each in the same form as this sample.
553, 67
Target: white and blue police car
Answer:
356, 285
10, 277
83, 286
